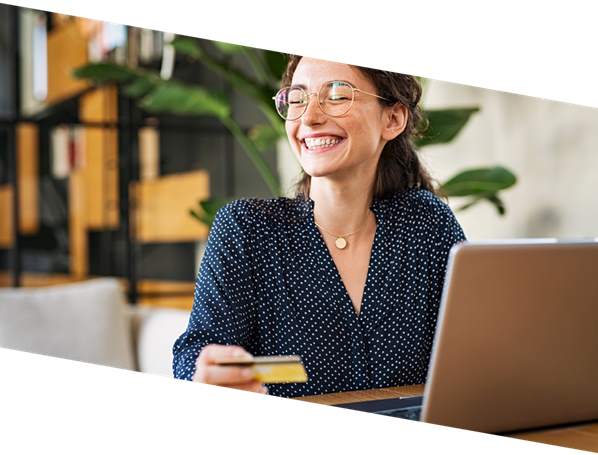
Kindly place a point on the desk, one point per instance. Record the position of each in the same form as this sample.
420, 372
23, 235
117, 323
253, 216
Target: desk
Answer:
583, 437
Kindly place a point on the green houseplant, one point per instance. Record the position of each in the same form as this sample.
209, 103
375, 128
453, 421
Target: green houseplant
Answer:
157, 95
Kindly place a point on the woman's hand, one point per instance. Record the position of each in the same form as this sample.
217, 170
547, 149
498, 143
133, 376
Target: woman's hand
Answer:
209, 372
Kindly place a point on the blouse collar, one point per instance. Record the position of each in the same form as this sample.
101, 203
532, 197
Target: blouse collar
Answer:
378, 206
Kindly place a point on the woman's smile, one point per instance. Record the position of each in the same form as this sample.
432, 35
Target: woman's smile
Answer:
317, 144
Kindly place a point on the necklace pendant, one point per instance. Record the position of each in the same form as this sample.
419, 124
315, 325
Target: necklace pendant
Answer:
340, 243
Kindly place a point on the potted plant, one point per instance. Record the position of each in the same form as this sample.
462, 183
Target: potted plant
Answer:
157, 95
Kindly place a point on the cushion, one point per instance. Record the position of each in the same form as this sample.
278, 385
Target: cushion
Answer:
157, 330
85, 321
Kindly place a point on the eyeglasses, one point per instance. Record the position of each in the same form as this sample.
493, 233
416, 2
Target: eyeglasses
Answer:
335, 99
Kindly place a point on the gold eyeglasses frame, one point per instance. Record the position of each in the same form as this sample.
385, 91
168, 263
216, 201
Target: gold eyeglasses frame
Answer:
307, 95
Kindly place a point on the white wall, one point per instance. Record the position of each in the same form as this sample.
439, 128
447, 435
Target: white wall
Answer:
552, 148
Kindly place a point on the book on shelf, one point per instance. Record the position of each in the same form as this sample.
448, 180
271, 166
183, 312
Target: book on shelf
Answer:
168, 56
40, 58
149, 153
33, 60
67, 150
151, 44
108, 42
45, 56
133, 37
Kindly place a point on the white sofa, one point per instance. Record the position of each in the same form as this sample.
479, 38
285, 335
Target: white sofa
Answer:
90, 322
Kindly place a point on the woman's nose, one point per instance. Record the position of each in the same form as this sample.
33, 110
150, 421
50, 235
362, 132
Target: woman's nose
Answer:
313, 114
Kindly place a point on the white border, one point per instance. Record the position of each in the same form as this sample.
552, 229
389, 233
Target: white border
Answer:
51, 405
544, 49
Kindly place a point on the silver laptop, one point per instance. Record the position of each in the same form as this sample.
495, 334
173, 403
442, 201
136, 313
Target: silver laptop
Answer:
516, 345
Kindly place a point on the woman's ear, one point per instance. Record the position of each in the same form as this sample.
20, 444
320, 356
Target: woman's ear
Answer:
395, 118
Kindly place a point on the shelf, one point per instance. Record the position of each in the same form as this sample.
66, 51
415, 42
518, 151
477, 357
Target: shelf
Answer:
163, 205
67, 50
180, 303
6, 227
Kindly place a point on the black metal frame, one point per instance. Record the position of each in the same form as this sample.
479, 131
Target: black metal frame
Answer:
13, 159
13, 163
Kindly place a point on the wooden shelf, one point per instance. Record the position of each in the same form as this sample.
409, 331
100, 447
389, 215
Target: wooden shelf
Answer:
6, 227
100, 168
179, 302
32, 279
67, 50
27, 153
162, 207
35, 280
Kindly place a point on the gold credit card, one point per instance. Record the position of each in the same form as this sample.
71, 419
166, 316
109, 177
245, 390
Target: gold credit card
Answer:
275, 369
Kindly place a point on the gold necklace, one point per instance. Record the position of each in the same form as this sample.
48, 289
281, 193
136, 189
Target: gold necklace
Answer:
341, 240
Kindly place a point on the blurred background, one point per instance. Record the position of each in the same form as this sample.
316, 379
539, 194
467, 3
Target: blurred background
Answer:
103, 187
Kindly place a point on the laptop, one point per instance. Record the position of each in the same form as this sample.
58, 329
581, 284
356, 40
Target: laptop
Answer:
516, 344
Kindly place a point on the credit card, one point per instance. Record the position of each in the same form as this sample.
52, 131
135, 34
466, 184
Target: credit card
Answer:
275, 369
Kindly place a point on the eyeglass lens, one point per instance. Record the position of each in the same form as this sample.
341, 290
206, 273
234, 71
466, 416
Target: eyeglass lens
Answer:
335, 99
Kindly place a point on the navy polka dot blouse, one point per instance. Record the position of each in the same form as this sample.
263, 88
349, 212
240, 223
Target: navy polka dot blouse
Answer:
268, 283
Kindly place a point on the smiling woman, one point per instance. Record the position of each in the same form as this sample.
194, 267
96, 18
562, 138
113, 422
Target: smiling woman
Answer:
398, 168
348, 274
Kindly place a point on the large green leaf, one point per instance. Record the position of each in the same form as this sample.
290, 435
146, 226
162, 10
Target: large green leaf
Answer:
139, 87
254, 154
187, 46
105, 72
239, 80
264, 136
207, 209
228, 48
481, 182
277, 63
260, 92
492, 198
256, 60
176, 98
254, 56
136, 83
444, 125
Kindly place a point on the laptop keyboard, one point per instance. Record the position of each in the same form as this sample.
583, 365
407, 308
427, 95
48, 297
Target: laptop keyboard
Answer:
413, 413
404, 408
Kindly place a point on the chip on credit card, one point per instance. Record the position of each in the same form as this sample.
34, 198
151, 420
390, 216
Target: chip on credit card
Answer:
275, 369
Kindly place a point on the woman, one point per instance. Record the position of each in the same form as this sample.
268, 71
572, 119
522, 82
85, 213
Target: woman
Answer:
349, 274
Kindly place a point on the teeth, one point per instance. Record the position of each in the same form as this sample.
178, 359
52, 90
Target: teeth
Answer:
313, 142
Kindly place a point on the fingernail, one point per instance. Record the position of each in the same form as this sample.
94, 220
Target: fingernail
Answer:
247, 373
239, 353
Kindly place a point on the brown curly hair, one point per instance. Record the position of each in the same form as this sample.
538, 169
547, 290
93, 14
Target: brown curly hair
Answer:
399, 167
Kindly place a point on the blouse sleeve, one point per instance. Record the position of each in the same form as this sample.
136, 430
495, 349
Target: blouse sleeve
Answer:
448, 233
223, 307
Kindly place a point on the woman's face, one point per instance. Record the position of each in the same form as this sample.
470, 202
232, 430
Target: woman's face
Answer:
357, 137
